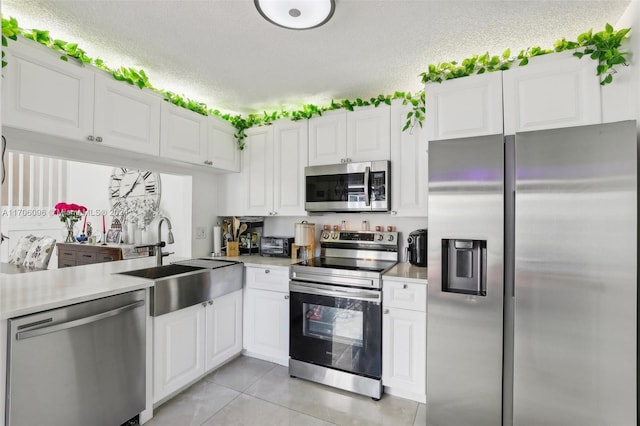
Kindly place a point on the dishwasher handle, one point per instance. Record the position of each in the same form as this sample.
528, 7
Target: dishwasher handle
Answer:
76, 323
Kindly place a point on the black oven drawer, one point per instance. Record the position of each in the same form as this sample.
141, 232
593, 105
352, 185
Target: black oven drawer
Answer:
339, 330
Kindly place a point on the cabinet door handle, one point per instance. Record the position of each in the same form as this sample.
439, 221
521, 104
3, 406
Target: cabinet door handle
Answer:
86, 255
386, 311
266, 271
90, 138
210, 302
286, 297
405, 286
99, 139
204, 304
393, 212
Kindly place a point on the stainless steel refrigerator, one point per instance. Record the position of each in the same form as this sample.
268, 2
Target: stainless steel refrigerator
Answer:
532, 271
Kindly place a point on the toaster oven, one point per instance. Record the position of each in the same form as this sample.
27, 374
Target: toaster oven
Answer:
276, 246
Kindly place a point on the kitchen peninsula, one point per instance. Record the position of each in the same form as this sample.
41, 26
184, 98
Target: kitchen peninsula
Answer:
29, 293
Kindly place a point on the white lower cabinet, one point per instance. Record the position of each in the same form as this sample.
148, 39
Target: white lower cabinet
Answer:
404, 339
178, 350
266, 314
192, 341
223, 329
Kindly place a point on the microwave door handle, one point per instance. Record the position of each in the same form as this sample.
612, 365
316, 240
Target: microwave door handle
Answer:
367, 186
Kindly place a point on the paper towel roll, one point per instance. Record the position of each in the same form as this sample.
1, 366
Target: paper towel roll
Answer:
217, 240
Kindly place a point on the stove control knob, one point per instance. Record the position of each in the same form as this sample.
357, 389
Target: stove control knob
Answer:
335, 235
325, 235
390, 237
380, 237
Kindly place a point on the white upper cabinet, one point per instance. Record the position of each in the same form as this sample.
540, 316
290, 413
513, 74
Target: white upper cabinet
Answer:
272, 178
64, 99
290, 159
44, 94
183, 134
328, 138
222, 150
552, 91
198, 139
126, 117
258, 170
350, 136
409, 164
369, 134
463, 107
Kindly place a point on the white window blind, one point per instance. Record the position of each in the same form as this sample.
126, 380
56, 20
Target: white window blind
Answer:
33, 181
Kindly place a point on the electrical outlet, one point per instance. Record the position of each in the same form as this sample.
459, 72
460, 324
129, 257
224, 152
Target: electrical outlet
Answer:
200, 233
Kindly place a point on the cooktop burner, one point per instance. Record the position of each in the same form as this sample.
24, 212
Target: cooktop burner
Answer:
368, 265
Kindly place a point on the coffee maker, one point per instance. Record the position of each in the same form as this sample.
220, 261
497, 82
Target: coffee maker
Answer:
417, 247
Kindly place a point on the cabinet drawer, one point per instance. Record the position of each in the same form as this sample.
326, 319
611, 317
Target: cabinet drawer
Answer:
86, 257
396, 294
68, 256
268, 278
107, 255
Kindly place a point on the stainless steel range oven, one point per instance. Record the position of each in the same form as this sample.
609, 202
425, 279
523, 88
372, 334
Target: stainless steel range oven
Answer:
336, 311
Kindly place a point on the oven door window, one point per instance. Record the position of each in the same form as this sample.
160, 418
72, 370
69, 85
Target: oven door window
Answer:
344, 325
336, 332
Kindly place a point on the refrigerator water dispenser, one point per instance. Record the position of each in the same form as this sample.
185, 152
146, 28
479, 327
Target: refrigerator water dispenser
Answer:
464, 264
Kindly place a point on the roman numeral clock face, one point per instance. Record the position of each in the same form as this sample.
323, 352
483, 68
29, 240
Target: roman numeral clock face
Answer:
126, 185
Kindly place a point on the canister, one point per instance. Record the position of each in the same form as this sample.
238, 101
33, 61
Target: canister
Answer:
305, 233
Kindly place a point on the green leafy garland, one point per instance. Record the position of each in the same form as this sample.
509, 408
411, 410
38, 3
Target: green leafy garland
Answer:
603, 47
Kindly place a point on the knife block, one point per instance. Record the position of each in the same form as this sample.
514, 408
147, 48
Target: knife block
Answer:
306, 251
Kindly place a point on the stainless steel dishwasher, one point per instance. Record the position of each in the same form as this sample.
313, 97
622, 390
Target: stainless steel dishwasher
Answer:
83, 364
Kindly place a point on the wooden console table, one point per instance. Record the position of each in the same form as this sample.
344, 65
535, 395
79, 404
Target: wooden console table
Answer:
74, 254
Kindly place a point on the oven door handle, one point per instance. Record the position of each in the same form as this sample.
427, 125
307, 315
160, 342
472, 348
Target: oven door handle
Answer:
365, 295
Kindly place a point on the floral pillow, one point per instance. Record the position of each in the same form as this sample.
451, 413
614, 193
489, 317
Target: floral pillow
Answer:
20, 250
39, 254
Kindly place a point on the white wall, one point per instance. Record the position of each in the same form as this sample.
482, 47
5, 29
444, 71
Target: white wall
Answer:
205, 211
88, 185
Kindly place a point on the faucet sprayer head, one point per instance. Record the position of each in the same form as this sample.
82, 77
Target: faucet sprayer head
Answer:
170, 237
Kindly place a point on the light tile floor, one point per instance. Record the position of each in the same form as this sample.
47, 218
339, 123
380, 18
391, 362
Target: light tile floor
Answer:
249, 391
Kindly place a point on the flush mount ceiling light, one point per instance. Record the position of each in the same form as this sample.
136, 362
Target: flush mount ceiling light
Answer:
296, 14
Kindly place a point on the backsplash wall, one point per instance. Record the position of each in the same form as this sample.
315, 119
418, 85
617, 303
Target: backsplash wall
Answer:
284, 226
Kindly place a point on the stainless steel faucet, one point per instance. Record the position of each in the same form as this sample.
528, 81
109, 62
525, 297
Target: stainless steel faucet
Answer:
160, 243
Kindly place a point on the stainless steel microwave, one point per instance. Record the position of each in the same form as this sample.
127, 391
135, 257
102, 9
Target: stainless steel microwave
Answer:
348, 187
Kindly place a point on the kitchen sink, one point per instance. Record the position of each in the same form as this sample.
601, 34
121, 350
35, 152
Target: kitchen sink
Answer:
180, 285
156, 272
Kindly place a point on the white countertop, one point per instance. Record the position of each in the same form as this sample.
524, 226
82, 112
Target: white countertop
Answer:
407, 272
22, 294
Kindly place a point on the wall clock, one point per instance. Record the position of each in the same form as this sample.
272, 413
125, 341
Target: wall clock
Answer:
134, 189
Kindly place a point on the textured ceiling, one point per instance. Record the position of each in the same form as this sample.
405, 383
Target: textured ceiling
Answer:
223, 53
